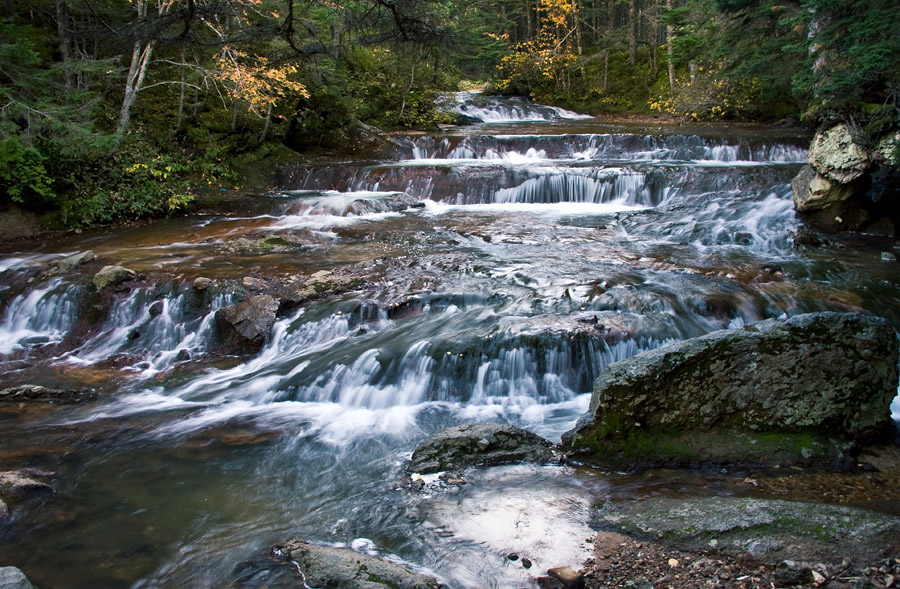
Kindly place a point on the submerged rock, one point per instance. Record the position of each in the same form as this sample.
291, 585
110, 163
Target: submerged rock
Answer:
38, 393
774, 392
112, 277
481, 444
343, 568
13, 578
248, 323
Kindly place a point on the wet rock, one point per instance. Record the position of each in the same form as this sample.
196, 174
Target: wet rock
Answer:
4, 511
482, 444
248, 323
113, 277
570, 578
320, 285
838, 153
342, 568
888, 257
201, 284
13, 578
72, 262
394, 203
24, 482
774, 392
41, 394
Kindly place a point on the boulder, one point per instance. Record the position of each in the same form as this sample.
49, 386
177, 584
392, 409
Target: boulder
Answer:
4, 511
795, 391
248, 323
483, 444
838, 153
201, 283
814, 192
41, 394
13, 578
887, 150
343, 568
112, 277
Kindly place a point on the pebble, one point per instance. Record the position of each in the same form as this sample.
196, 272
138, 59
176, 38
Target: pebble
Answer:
526, 563
673, 563
888, 257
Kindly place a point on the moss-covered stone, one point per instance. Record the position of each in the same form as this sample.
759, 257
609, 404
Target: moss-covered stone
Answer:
777, 392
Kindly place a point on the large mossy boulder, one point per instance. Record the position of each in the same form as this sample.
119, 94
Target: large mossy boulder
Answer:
480, 444
795, 391
343, 568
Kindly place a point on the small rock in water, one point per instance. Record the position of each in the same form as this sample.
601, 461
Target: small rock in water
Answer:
112, 277
714, 544
512, 556
24, 481
526, 563
201, 283
4, 511
888, 257
570, 578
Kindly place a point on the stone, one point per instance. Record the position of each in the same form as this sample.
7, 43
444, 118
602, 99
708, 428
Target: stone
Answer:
72, 262
24, 482
112, 277
888, 257
248, 322
768, 530
42, 394
200, 283
570, 578
814, 192
790, 574
484, 444
838, 153
343, 568
775, 392
887, 150
4, 511
13, 578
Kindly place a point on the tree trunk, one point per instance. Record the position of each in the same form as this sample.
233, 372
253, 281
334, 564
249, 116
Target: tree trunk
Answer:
266, 126
181, 94
137, 71
670, 53
632, 32
65, 43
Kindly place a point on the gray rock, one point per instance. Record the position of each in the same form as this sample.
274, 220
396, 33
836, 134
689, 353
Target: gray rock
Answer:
201, 283
770, 530
38, 393
887, 151
814, 192
4, 511
72, 262
838, 154
790, 574
13, 578
24, 482
112, 277
342, 568
248, 322
481, 444
792, 391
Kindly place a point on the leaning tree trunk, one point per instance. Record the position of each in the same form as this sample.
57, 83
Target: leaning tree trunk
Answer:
137, 71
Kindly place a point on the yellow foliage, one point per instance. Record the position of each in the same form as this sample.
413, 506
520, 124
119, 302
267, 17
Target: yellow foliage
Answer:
256, 82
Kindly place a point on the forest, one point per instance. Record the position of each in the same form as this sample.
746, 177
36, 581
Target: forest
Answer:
115, 110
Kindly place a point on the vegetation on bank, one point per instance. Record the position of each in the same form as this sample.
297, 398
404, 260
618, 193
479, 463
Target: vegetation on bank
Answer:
119, 109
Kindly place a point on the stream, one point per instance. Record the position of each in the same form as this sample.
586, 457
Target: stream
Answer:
498, 269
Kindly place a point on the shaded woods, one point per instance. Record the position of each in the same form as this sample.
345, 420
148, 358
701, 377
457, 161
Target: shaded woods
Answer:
117, 110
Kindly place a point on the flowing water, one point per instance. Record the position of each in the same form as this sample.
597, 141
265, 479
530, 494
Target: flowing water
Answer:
500, 266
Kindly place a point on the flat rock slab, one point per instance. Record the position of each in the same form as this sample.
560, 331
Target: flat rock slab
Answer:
483, 444
113, 277
42, 394
774, 392
764, 530
343, 568
248, 323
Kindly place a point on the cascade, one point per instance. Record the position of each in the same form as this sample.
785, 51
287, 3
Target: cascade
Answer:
486, 273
